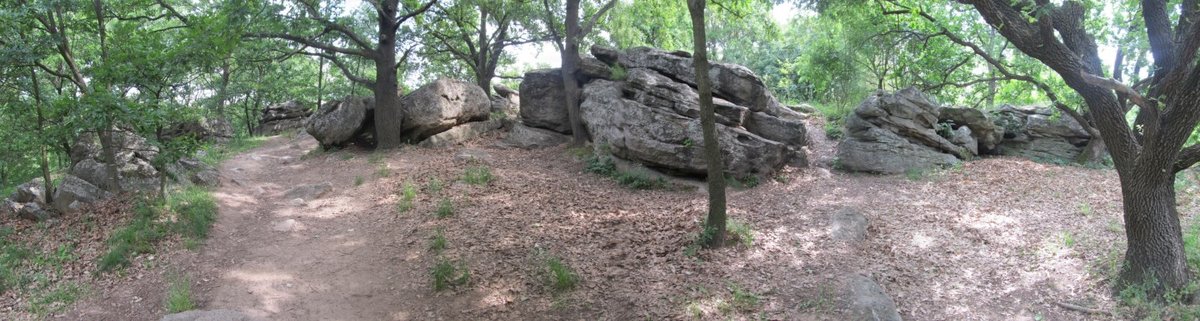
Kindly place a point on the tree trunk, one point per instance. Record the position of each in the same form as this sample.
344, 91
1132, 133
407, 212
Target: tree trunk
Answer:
715, 223
1154, 253
570, 63
44, 160
320, 80
387, 100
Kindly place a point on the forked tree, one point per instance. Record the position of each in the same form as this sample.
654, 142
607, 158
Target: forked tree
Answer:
1146, 155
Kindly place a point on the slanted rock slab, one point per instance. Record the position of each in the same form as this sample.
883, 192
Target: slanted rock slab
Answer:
528, 137
73, 193
462, 133
864, 300
309, 192
848, 225
209, 315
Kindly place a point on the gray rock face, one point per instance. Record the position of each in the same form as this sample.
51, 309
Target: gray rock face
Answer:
848, 225
461, 133
543, 101
504, 91
209, 177
441, 105
210, 315
34, 212
893, 133
507, 105
33, 191
592, 68
528, 137
73, 193
309, 192
282, 117
336, 123
865, 300
8, 207
985, 132
200, 129
1034, 133
132, 155
659, 137
730, 82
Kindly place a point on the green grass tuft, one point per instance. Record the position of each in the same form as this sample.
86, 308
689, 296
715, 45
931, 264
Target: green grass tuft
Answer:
407, 196
478, 175
445, 208
448, 274
217, 153
560, 276
607, 167
434, 185
438, 242
179, 296
740, 231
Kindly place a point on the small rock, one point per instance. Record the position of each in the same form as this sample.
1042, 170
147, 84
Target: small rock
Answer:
287, 225
848, 225
8, 207
32, 191
297, 202
33, 211
309, 192
470, 155
210, 315
206, 177
865, 300
528, 137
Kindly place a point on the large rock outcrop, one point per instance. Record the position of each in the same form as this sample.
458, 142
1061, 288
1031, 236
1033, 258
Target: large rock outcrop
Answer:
897, 132
441, 105
132, 156
1036, 133
339, 122
650, 114
542, 101
282, 117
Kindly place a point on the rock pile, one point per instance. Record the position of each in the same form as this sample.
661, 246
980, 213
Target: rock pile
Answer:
641, 105
282, 117
890, 133
441, 113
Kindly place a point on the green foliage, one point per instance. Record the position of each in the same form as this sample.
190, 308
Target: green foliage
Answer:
477, 175
743, 300
192, 212
214, 154
914, 174
55, 300
434, 185
560, 276
407, 196
605, 166
619, 73
446, 274
445, 209
438, 242
747, 182
195, 210
358, 180
741, 232
179, 296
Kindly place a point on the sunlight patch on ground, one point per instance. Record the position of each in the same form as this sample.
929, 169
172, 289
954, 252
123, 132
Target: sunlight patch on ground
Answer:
270, 288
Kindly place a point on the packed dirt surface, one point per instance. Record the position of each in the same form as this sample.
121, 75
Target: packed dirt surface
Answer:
998, 239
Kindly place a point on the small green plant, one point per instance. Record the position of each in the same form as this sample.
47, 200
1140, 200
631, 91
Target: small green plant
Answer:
179, 296
447, 274
607, 167
688, 143
580, 152
1068, 239
914, 174
747, 182
438, 242
740, 232
358, 180
375, 158
834, 127
217, 153
346, 156
1085, 209
407, 196
742, 299
383, 171
619, 73
434, 185
445, 208
55, 300
136, 238
477, 175
195, 210
498, 115
561, 276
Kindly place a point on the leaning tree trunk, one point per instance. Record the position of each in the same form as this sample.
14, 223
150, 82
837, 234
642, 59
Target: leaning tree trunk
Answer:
1154, 253
388, 115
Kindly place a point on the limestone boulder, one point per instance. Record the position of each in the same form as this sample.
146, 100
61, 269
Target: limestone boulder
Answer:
543, 101
73, 193
339, 122
441, 105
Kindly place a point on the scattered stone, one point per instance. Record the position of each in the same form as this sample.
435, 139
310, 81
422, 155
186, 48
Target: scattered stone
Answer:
206, 177
865, 300
8, 207
202, 129
287, 225
984, 132
209, 315
309, 192
337, 123
543, 101
462, 133
471, 155
32, 191
297, 202
848, 225
279, 118
33, 211
73, 193
528, 137
441, 105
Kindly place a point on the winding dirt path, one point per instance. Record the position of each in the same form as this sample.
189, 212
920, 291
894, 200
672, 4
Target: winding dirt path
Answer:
329, 258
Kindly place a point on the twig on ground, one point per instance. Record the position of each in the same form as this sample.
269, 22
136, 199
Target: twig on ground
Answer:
1073, 307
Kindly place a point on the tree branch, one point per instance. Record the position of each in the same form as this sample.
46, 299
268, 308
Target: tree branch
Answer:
312, 43
1188, 157
1117, 86
345, 70
401, 19
586, 28
330, 25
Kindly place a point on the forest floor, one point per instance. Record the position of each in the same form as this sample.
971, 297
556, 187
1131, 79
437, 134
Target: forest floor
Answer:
997, 239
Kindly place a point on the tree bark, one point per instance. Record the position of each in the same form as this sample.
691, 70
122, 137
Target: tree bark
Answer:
388, 115
715, 223
1154, 253
41, 128
570, 63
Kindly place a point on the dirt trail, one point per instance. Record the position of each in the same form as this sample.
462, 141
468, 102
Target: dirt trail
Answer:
331, 258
